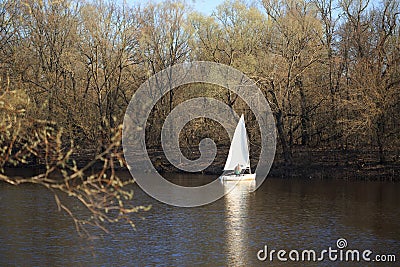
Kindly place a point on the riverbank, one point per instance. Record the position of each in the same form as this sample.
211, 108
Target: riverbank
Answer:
307, 164
320, 164
339, 165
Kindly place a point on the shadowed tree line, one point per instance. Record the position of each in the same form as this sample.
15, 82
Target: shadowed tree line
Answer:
329, 69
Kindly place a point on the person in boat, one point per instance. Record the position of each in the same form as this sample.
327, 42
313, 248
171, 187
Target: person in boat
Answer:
238, 170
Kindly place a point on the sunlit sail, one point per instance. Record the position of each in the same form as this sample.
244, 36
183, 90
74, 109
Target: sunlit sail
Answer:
237, 166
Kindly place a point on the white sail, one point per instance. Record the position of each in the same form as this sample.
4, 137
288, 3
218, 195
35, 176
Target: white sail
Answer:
239, 150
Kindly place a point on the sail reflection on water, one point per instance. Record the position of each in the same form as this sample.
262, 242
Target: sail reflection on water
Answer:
237, 219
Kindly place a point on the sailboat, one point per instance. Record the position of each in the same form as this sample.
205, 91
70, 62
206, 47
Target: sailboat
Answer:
237, 166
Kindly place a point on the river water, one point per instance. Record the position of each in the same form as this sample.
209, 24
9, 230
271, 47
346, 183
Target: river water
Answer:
282, 215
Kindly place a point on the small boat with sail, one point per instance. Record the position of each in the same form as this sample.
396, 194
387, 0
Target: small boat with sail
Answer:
237, 166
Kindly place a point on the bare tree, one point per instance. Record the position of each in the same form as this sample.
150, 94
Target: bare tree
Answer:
372, 80
108, 56
164, 42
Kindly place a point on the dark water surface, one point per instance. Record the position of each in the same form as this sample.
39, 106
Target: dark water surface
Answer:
283, 214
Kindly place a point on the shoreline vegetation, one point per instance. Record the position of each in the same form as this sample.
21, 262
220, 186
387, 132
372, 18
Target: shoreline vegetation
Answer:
329, 69
350, 165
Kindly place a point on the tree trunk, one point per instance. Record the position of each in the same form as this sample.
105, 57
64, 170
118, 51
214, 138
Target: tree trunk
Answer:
286, 149
380, 130
304, 114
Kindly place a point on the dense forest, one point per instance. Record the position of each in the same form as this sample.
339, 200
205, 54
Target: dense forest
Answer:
330, 70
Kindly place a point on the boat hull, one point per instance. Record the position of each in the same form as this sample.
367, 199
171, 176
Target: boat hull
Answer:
241, 177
